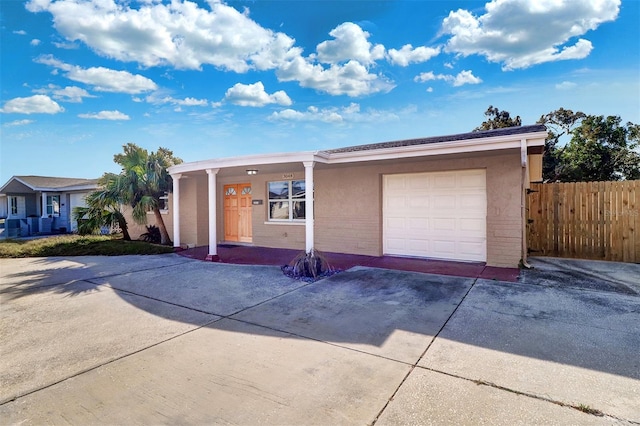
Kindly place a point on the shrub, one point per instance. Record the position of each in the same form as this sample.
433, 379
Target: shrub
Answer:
152, 235
310, 265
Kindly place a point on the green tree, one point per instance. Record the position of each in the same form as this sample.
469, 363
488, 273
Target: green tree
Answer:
560, 123
143, 180
497, 119
601, 149
103, 208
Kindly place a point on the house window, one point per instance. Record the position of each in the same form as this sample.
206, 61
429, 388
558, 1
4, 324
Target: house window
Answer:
53, 205
164, 203
286, 200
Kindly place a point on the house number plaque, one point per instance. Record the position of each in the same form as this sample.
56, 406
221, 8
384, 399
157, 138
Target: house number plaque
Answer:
287, 176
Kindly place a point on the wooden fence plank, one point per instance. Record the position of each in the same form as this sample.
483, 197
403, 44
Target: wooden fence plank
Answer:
590, 220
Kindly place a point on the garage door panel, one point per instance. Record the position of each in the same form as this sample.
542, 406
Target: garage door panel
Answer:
395, 182
420, 225
472, 250
471, 226
444, 180
472, 179
438, 215
397, 245
444, 201
444, 224
397, 202
472, 201
396, 223
419, 202
443, 248
417, 182
417, 246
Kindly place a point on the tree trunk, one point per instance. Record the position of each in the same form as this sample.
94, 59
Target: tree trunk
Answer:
125, 231
122, 223
165, 240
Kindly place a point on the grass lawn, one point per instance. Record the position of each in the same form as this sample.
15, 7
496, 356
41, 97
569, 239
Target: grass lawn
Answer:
76, 245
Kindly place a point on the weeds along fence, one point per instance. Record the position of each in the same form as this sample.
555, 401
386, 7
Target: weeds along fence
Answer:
588, 220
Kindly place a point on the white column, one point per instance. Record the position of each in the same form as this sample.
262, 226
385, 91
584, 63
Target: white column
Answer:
176, 209
308, 198
213, 225
44, 204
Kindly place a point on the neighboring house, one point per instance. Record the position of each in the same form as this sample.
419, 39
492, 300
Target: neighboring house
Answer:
458, 197
42, 204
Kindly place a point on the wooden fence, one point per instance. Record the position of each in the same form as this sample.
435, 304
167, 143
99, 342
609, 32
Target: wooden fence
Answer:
588, 220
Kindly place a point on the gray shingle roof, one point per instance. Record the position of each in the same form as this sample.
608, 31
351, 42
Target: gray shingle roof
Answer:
55, 182
439, 139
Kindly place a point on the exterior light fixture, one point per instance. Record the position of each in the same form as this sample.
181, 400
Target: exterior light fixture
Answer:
252, 172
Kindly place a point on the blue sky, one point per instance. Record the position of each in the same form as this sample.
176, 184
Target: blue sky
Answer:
207, 79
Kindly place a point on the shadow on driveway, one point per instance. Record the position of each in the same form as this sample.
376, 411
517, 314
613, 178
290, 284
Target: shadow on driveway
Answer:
392, 314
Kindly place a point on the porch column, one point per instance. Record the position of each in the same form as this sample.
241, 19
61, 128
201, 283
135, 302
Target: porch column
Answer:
213, 221
308, 199
44, 204
176, 210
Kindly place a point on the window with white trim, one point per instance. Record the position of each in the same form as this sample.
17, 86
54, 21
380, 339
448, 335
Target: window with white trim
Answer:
286, 200
164, 203
53, 205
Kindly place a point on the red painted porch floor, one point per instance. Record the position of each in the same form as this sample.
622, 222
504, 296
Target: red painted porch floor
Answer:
250, 255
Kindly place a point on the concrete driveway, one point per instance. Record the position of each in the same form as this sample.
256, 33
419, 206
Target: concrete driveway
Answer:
166, 340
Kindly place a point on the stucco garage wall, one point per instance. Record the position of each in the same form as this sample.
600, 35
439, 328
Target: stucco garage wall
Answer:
348, 204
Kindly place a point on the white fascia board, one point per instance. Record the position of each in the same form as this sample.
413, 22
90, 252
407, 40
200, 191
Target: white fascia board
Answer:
249, 160
440, 148
420, 150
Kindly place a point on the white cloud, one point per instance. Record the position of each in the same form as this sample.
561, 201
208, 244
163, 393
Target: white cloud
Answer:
188, 101
408, 55
102, 79
18, 123
179, 33
20, 32
184, 35
350, 43
566, 85
522, 33
334, 115
106, 115
68, 94
351, 79
465, 77
35, 42
71, 94
63, 45
254, 95
462, 78
36, 104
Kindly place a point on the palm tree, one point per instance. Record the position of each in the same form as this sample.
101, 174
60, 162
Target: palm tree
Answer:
103, 208
143, 180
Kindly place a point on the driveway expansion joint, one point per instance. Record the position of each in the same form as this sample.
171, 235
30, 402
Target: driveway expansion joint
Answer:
95, 367
414, 365
480, 382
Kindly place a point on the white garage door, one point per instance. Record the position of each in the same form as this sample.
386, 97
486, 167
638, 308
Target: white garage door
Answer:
440, 215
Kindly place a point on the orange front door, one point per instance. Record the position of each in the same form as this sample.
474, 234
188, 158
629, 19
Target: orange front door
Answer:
237, 212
